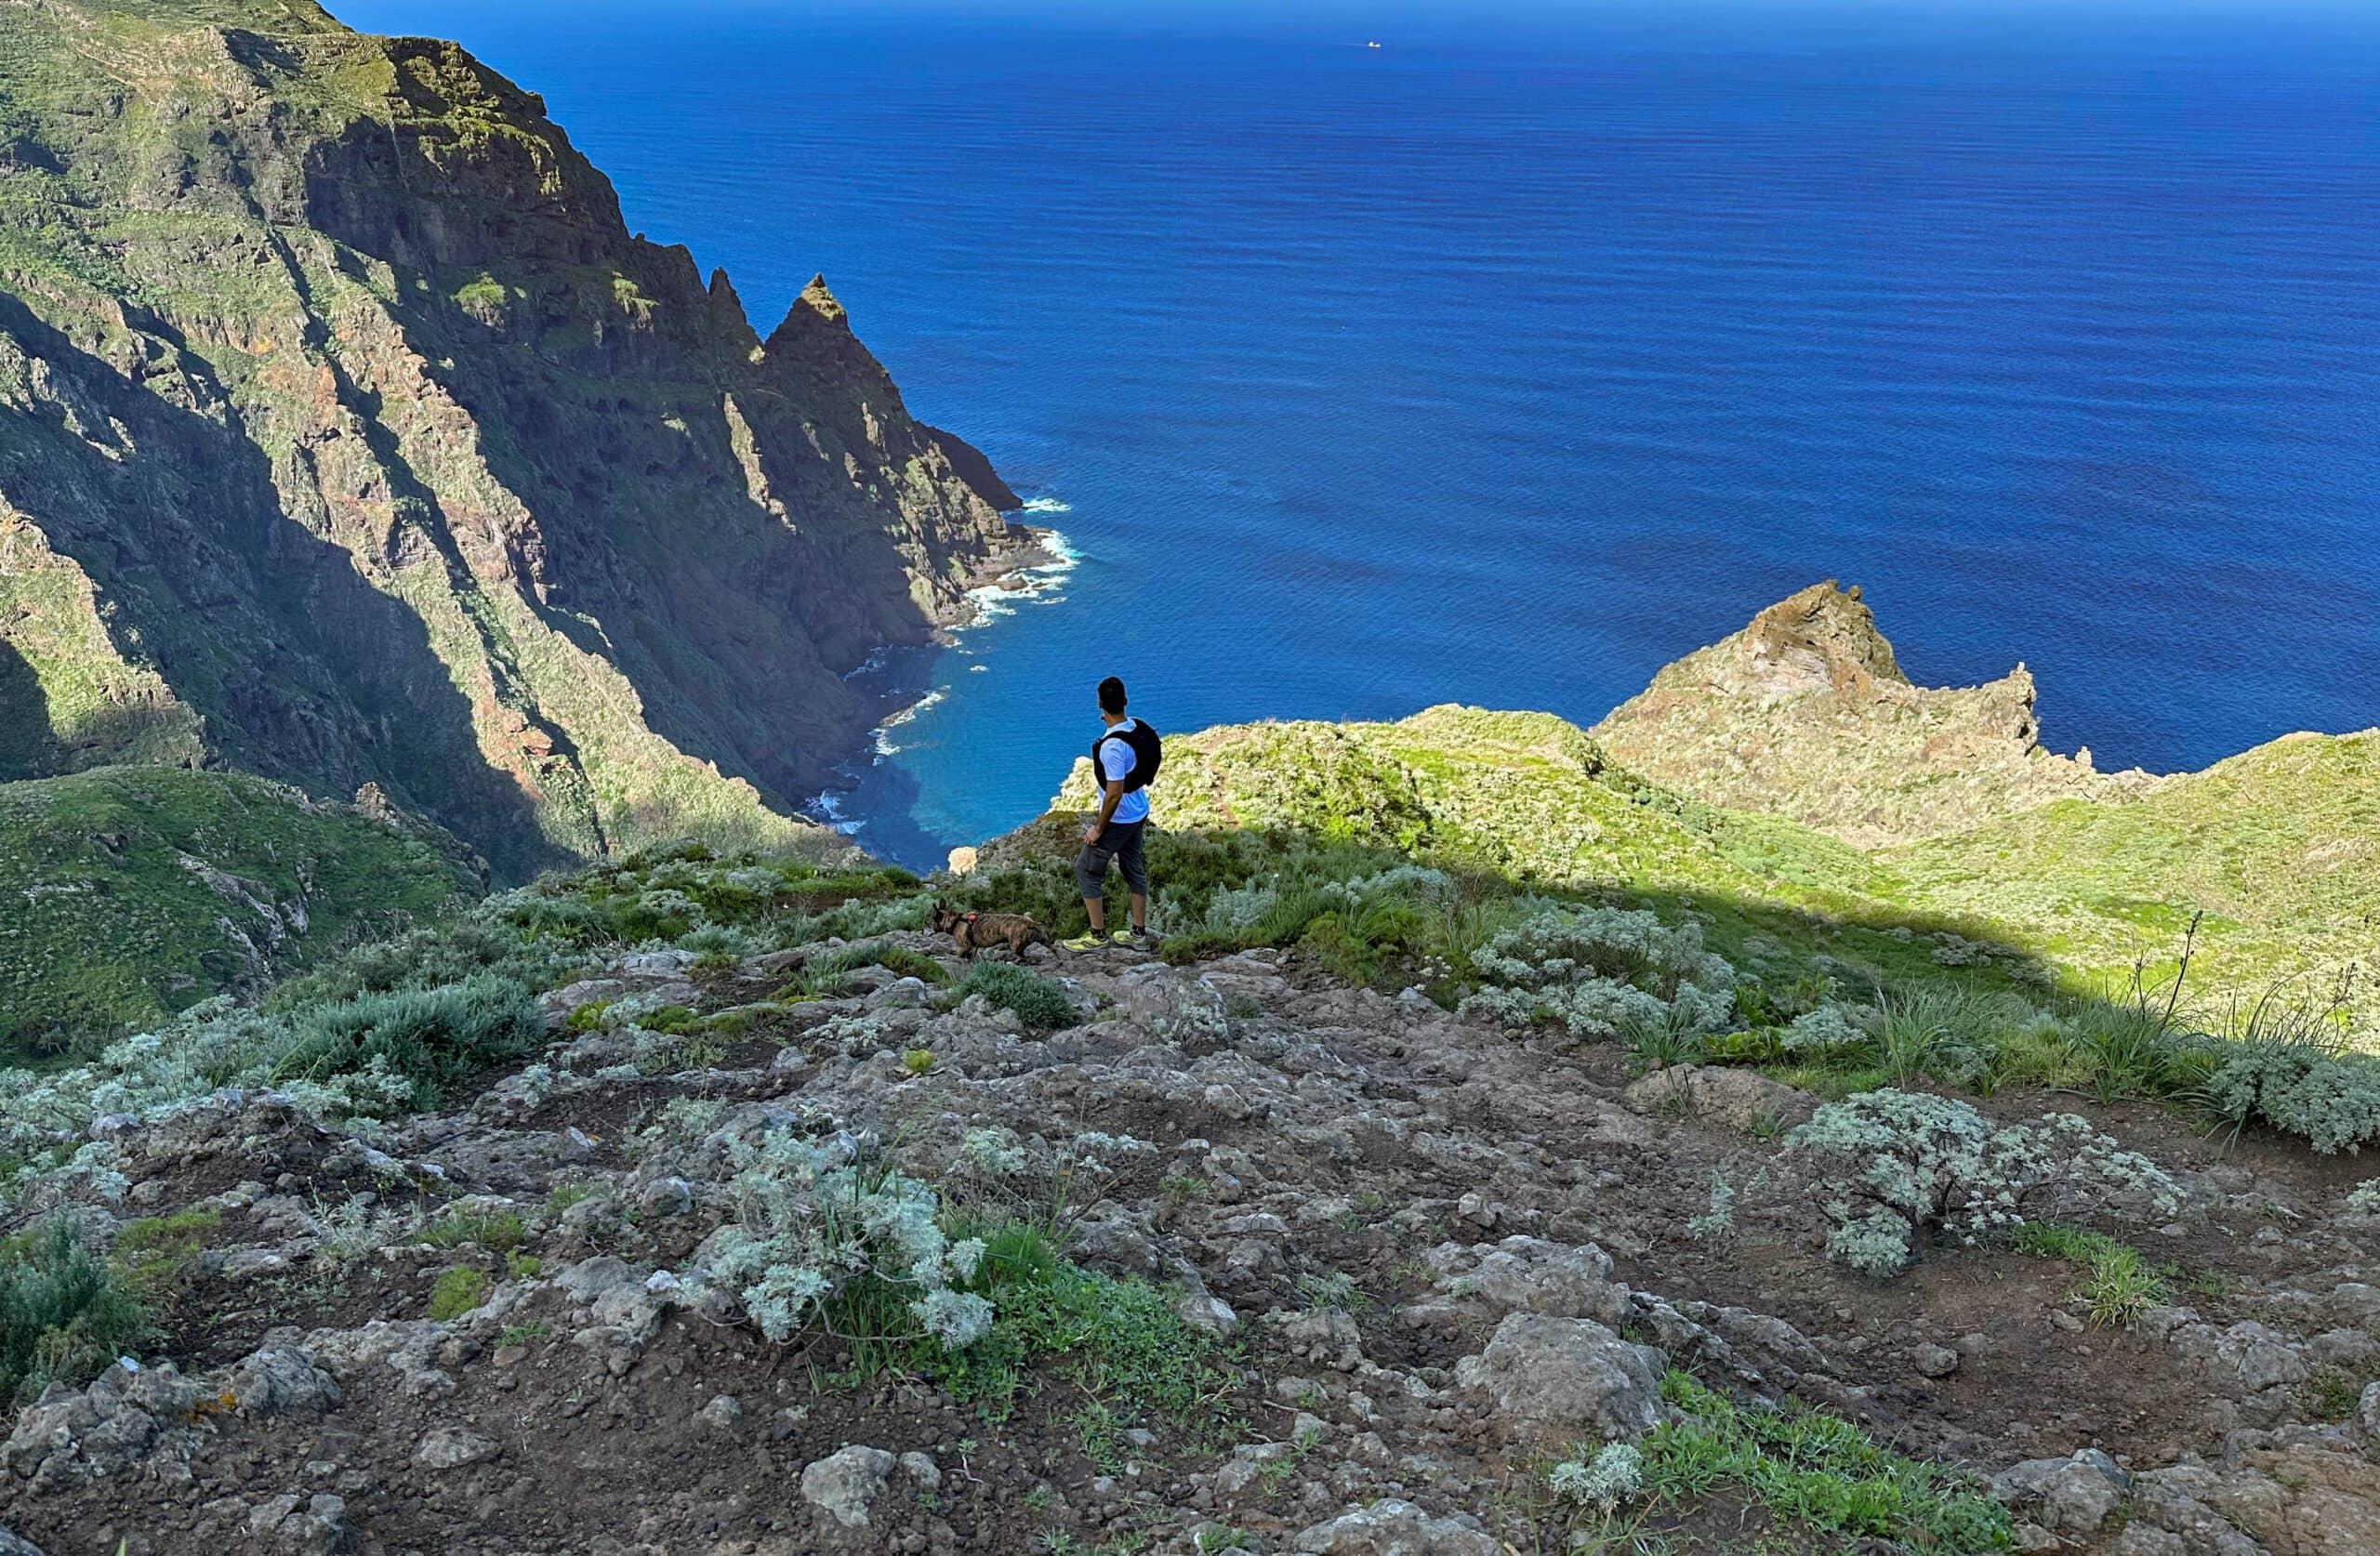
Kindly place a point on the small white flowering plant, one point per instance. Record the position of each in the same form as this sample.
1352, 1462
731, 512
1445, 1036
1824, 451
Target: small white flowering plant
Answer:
1890, 1169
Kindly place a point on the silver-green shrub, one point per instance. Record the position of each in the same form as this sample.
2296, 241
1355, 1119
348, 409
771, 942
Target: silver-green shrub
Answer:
1890, 1168
1614, 1475
1236, 907
2330, 1097
1596, 970
825, 1227
1720, 1218
1824, 1030
371, 1057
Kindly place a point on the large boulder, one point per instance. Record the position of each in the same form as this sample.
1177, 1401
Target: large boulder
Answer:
1530, 1274
2298, 1499
120, 1419
1173, 1005
1391, 1527
1555, 1380
1720, 1094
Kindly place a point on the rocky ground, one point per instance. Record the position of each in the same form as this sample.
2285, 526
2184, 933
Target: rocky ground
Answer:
1429, 1258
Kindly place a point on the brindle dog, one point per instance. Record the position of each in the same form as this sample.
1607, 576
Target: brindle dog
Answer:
975, 931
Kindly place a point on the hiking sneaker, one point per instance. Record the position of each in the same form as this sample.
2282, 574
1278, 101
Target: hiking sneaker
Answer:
1090, 941
1135, 938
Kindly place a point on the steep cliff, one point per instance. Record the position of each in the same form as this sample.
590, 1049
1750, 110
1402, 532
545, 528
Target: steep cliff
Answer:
1805, 713
347, 436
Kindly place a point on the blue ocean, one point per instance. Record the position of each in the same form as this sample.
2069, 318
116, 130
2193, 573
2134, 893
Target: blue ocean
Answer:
1511, 358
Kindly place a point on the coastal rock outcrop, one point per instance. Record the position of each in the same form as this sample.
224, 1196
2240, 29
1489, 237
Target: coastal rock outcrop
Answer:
1806, 713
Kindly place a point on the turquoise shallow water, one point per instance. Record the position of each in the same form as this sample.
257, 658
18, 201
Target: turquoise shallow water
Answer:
1514, 358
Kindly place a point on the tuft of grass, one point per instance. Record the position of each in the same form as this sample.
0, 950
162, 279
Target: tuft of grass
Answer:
1817, 1471
154, 1254
1659, 1042
1179, 1189
2118, 1286
496, 1231
563, 1195
536, 1331
828, 977
1115, 1341
911, 963
1939, 1032
2334, 1394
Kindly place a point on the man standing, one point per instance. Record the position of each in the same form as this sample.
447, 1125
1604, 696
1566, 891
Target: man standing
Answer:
1123, 759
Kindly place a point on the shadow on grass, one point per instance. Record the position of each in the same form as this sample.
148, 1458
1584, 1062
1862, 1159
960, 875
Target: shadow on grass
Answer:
1934, 1000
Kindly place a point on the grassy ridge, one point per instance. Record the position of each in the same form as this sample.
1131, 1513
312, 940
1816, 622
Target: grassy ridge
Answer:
2277, 847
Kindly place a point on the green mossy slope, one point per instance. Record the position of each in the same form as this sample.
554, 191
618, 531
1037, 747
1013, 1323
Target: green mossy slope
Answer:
128, 893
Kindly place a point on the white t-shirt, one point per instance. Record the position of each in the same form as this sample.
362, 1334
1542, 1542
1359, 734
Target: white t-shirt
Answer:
1115, 762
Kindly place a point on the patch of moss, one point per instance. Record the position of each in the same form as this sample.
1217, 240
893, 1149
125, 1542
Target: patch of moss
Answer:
459, 1290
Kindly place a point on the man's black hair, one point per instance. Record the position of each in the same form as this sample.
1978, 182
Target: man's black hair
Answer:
1111, 695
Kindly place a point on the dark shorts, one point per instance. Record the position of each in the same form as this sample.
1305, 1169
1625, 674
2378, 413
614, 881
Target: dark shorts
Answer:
1119, 845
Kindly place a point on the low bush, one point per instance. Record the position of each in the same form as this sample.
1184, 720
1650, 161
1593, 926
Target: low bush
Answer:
829, 1236
858, 918
1599, 970
1829, 1031
1038, 1001
63, 1313
1615, 1473
459, 1290
1116, 1342
422, 1040
1892, 1168
2329, 1096
478, 945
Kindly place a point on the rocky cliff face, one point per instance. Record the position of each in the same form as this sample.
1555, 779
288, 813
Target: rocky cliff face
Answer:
1805, 713
347, 436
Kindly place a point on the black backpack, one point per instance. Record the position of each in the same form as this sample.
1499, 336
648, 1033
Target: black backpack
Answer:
1148, 755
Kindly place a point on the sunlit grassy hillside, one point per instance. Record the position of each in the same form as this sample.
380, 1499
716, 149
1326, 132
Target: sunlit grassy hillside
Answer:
2279, 849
